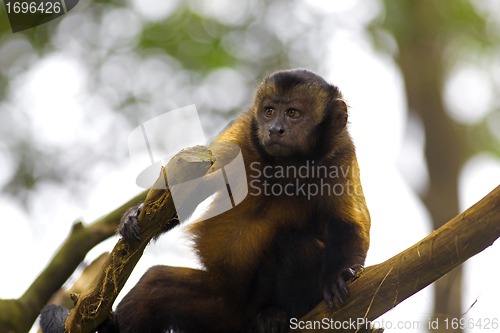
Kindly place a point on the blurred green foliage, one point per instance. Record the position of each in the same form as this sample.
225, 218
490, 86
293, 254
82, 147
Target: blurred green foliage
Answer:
190, 38
191, 44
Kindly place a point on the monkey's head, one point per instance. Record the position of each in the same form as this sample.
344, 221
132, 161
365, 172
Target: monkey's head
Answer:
296, 113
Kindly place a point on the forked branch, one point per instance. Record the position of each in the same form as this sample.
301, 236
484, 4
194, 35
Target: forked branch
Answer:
380, 287
157, 214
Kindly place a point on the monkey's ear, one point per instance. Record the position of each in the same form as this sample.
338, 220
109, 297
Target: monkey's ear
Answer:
341, 112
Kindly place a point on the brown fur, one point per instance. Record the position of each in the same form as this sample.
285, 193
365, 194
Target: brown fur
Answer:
270, 258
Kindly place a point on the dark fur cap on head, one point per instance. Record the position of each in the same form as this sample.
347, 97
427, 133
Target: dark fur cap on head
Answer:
289, 79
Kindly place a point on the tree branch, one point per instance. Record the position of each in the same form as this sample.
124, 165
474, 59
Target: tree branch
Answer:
382, 287
157, 215
18, 315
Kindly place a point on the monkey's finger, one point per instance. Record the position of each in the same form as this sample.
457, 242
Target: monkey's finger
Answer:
358, 270
348, 274
338, 294
342, 285
327, 295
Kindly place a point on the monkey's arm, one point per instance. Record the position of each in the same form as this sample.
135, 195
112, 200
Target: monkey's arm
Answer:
342, 262
347, 244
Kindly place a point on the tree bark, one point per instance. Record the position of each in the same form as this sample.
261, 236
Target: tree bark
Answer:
157, 215
18, 315
382, 287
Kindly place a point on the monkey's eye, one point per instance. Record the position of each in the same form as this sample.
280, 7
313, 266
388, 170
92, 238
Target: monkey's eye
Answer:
269, 112
292, 113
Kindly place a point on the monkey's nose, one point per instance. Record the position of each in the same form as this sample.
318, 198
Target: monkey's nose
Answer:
276, 130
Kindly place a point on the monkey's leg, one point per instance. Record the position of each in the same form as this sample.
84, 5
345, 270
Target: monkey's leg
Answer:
174, 298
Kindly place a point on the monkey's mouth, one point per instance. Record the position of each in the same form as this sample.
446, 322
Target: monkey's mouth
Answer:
278, 149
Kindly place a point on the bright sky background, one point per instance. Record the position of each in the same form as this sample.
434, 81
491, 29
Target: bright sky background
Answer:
373, 88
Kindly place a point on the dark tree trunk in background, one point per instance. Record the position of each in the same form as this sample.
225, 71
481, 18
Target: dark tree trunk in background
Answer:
444, 154
418, 29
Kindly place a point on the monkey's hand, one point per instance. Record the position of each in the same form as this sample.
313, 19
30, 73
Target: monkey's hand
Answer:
129, 225
336, 285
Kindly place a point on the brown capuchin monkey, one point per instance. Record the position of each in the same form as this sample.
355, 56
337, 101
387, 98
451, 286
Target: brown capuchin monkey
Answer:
298, 236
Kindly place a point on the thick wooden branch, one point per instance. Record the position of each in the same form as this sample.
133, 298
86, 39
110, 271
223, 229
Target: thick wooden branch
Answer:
80, 285
382, 287
94, 305
18, 315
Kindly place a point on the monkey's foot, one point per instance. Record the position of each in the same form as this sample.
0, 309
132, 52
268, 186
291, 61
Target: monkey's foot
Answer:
271, 320
129, 225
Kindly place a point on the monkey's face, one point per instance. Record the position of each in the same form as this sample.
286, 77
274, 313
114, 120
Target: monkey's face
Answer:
286, 123
297, 114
